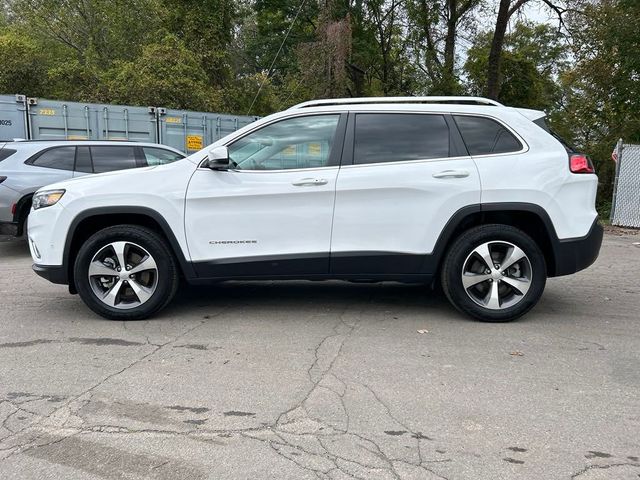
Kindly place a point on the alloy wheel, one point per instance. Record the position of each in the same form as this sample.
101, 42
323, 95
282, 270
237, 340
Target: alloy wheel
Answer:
123, 275
497, 275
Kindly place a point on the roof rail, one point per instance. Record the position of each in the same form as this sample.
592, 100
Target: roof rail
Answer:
365, 100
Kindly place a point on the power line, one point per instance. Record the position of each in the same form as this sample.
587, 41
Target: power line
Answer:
276, 57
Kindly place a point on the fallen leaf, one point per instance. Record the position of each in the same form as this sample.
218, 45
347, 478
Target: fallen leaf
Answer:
516, 353
423, 331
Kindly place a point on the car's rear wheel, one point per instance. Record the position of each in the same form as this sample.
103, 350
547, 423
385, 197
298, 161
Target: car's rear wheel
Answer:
495, 273
126, 272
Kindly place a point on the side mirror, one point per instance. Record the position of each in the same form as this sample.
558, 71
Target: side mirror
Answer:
218, 158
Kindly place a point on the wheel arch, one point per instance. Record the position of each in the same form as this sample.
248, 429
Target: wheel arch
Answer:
92, 220
530, 218
23, 207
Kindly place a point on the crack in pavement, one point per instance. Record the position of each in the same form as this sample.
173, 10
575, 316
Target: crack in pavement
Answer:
22, 446
604, 467
315, 434
299, 425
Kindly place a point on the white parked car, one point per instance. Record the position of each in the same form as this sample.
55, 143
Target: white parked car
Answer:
461, 190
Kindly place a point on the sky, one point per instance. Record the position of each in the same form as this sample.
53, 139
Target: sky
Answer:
539, 14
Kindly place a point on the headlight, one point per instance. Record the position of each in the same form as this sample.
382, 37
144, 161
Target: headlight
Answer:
47, 198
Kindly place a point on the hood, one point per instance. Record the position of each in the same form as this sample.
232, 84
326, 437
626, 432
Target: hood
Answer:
133, 180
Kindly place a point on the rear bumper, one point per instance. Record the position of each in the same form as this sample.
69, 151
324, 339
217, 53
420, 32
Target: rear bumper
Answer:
576, 254
9, 228
53, 273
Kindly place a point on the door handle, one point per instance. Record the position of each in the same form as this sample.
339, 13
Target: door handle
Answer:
451, 174
310, 182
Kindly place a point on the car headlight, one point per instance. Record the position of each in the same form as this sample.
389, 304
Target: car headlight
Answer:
46, 198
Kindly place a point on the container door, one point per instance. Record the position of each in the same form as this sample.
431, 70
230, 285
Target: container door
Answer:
12, 117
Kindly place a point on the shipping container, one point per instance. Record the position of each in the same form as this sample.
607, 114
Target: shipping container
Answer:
42, 119
57, 120
13, 119
191, 131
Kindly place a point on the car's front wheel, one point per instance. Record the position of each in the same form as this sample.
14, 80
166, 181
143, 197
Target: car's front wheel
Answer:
126, 272
495, 273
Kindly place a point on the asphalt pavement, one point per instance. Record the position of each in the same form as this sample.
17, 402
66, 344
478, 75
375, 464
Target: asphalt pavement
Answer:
323, 380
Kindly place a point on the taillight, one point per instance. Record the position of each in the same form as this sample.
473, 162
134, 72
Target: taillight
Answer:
579, 163
14, 208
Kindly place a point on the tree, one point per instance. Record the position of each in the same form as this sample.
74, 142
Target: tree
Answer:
385, 20
95, 31
206, 28
24, 65
165, 74
506, 10
601, 92
533, 57
323, 63
435, 28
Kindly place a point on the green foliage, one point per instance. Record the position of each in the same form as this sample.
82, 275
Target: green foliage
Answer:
23, 65
601, 92
69, 78
165, 74
237, 96
532, 59
217, 55
206, 28
94, 31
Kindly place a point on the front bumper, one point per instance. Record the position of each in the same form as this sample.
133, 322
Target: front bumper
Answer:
53, 273
573, 255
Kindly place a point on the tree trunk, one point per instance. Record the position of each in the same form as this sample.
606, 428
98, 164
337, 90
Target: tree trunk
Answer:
495, 55
450, 48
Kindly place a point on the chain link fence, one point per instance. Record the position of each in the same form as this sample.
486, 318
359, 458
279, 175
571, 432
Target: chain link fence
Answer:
625, 209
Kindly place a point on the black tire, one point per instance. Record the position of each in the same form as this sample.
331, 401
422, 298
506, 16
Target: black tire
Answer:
167, 271
460, 251
25, 227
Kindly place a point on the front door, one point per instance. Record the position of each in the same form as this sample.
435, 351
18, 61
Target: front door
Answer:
270, 214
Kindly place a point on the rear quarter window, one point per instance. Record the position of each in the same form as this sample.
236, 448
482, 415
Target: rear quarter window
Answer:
6, 153
484, 136
567, 146
60, 158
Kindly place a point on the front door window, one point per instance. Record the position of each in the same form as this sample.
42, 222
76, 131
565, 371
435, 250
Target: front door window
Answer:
300, 142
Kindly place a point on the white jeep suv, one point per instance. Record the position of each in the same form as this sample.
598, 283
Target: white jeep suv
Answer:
463, 190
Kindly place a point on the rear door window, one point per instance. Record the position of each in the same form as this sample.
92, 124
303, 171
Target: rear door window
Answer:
160, 156
484, 136
108, 158
397, 137
61, 158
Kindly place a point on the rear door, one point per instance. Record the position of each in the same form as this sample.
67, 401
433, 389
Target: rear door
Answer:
404, 175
